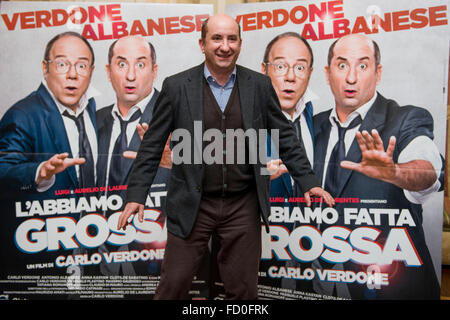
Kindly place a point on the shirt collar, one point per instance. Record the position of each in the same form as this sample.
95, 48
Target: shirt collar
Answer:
210, 78
91, 92
361, 111
308, 96
140, 105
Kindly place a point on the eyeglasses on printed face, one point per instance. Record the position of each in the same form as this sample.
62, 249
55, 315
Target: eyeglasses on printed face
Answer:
282, 68
63, 66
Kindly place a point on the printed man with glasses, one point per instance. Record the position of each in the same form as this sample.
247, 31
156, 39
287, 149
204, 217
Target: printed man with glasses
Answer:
288, 61
48, 140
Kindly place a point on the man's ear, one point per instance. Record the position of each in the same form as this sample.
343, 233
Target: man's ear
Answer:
379, 71
155, 71
108, 71
44, 68
263, 68
201, 44
326, 69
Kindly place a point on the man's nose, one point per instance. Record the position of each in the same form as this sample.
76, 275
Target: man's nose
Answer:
131, 73
225, 46
290, 74
72, 72
352, 75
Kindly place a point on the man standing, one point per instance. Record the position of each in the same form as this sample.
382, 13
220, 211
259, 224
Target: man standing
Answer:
48, 140
288, 61
399, 177
131, 69
218, 198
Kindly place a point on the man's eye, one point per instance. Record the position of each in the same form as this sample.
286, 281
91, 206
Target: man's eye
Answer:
342, 65
140, 65
81, 65
122, 64
300, 67
280, 66
363, 66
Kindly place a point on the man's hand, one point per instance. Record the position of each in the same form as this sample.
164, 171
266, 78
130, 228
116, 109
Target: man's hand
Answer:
375, 162
166, 158
276, 168
319, 192
415, 175
129, 210
141, 129
56, 164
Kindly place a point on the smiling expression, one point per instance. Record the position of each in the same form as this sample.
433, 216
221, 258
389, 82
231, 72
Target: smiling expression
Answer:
222, 44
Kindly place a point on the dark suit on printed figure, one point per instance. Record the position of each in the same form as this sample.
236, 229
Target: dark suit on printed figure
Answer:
283, 187
405, 123
180, 104
105, 123
31, 132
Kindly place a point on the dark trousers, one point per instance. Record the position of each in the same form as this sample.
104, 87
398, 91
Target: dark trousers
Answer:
236, 222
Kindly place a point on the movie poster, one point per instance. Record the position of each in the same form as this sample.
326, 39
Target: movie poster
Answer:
59, 239
379, 241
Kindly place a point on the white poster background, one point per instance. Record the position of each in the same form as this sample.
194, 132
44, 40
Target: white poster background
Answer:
415, 67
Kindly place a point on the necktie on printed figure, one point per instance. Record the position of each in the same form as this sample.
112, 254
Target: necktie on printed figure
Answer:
334, 170
308, 114
117, 160
296, 124
116, 176
297, 192
86, 171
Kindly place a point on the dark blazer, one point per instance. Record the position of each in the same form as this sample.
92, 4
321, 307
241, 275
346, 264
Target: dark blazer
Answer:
180, 103
282, 186
31, 131
105, 123
405, 123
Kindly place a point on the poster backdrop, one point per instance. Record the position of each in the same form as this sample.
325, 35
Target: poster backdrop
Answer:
367, 247
63, 242
372, 243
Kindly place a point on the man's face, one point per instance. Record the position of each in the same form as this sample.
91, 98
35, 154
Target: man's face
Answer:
131, 71
68, 87
289, 87
222, 44
352, 74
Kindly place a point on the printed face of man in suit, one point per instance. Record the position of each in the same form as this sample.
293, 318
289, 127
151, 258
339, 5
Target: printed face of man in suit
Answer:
353, 74
131, 71
290, 87
221, 45
68, 87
